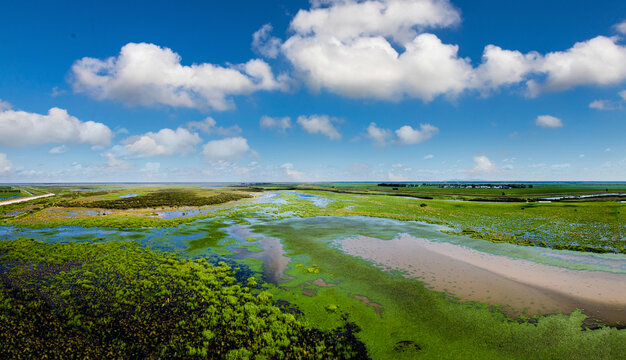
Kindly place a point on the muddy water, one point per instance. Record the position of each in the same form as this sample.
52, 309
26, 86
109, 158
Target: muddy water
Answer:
519, 278
273, 256
515, 284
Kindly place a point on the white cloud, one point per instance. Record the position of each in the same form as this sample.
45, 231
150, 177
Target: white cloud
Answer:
264, 43
600, 105
503, 67
57, 92
209, 126
151, 167
378, 135
369, 67
607, 150
163, 142
147, 74
395, 177
380, 49
622, 94
429, 156
346, 48
293, 174
621, 27
482, 165
405, 135
598, 61
58, 149
4, 105
116, 164
226, 149
281, 124
408, 136
396, 19
5, 165
320, 124
23, 128
548, 121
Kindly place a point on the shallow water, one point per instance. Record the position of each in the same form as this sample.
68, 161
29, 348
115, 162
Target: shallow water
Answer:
181, 213
315, 199
273, 255
581, 196
540, 279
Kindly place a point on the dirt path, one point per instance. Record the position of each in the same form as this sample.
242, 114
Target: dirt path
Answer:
15, 201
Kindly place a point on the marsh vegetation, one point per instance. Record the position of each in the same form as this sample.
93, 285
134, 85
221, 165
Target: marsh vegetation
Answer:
104, 264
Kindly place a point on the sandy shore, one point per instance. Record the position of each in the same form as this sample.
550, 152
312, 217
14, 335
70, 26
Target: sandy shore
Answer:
15, 201
515, 284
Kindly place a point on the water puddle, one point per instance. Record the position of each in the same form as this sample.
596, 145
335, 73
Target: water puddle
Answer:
181, 213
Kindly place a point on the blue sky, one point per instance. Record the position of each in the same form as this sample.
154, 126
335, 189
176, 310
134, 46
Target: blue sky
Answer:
387, 90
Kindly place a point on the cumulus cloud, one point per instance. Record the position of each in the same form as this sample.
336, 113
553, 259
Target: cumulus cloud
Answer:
482, 165
164, 142
382, 49
115, 164
621, 27
408, 136
4, 105
320, 124
5, 165
369, 67
405, 135
226, 149
379, 136
502, 67
397, 19
622, 94
147, 74
346, 48
291, 173
264, 43
548, 121
58, 149
23, 128
598, 61
209, 126
281, 124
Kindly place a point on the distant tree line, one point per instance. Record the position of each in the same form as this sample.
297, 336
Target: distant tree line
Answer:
8, 189
459, 185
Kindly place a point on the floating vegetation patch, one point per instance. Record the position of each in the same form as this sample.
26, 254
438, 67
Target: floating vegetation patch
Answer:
119, 300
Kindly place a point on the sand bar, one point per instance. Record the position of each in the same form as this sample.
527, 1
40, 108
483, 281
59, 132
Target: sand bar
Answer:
516, 284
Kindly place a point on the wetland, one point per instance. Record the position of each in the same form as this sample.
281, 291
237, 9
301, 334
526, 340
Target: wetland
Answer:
362, 275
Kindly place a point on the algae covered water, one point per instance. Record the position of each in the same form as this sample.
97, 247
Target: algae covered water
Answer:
535, 280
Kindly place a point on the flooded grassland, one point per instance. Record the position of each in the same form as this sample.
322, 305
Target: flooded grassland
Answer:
403, 272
